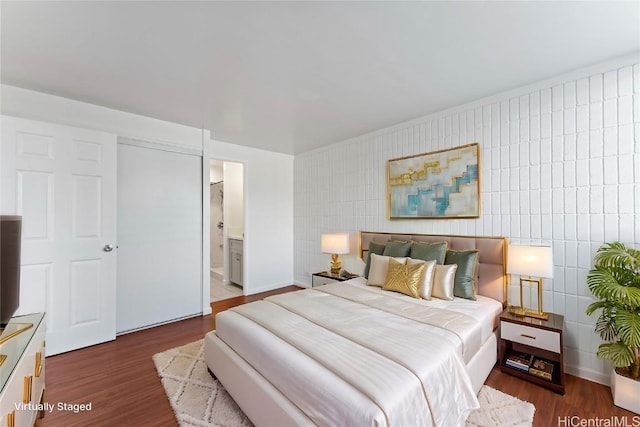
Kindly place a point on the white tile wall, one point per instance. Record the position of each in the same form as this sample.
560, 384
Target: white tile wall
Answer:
559, 165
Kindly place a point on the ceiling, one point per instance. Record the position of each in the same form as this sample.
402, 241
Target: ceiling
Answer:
294, 76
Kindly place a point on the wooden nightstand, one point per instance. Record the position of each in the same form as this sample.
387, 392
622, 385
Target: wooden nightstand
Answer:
324, 277
540, 338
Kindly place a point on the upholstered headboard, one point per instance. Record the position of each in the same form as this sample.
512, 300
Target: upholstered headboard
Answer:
492, 261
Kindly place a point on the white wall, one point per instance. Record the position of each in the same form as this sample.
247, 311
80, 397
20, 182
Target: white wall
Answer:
30, 104
268, 214
560, 164
234, 198
216, 173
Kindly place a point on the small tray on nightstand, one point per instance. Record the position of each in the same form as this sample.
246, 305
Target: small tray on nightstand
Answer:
324, 277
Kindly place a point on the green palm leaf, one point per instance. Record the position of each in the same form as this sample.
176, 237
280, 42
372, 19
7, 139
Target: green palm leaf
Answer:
595, 306
606, 328
617, 254
602, 282
628, 325
618, 353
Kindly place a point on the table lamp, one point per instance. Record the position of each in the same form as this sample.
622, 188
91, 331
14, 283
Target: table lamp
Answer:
335, 244
531, 263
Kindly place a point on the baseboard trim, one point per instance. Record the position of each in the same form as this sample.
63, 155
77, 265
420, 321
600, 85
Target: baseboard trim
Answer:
588, 374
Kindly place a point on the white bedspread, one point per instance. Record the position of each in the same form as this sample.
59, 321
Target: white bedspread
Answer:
343, 362
485, 311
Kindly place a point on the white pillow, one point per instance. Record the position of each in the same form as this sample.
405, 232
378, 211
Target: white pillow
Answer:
426, 287
379, 267
443, 281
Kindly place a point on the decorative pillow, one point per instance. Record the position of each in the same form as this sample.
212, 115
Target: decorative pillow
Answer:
465, 280
374, 248
404, 278
429, 251
443, 279
397, 249
379, 267
426, 287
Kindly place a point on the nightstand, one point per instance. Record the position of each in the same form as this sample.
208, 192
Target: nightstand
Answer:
541, 339
324, 277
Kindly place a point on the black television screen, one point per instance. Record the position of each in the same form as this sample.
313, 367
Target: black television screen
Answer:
10, 235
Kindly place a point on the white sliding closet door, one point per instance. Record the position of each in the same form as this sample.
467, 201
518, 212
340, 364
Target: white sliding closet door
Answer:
159, 236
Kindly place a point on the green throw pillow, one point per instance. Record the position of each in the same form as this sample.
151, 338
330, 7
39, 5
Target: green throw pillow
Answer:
374, 248
465, 281
397, 249
429, 251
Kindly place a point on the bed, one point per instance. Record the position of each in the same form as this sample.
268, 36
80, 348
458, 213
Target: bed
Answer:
353, 354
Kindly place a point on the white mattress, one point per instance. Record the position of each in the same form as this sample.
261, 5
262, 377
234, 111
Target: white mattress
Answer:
358, 364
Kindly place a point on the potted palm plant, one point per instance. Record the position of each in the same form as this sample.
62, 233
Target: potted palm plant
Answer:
615, 282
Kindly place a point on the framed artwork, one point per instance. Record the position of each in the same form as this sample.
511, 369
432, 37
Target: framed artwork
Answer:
441, 184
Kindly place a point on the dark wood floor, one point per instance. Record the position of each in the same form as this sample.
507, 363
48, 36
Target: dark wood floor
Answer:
119, 379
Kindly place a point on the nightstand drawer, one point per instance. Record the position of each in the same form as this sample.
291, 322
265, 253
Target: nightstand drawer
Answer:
320, 280
534, 337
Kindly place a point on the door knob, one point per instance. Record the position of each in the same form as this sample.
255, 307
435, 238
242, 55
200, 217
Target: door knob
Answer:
107, 248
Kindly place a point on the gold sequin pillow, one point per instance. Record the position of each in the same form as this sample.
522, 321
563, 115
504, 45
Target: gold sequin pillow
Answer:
404, 278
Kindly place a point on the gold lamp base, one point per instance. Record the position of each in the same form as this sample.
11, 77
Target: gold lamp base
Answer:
525, 312
336, 265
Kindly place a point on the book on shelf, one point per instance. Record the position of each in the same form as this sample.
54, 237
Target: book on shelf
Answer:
520, 361
515, 365
541, 368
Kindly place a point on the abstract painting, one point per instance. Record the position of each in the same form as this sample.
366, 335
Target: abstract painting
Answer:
441, 184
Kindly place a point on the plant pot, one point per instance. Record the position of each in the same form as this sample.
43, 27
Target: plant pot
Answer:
625, 392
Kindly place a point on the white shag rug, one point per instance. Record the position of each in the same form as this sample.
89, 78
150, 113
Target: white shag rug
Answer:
199, 400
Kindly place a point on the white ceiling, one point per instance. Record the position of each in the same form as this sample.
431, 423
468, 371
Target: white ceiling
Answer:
293, 76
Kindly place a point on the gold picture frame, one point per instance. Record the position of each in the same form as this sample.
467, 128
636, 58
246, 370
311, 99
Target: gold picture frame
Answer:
443, 184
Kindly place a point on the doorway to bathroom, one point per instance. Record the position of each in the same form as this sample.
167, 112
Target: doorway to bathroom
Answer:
226, 195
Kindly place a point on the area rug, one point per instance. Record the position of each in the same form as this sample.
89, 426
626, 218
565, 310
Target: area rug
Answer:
199, 400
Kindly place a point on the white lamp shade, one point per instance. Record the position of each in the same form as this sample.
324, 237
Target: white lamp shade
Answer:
337, 243
534, 261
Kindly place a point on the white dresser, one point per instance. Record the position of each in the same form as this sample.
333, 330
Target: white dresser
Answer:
22, 371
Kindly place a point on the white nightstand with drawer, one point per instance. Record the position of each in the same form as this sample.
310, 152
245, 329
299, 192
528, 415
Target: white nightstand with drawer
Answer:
541, 339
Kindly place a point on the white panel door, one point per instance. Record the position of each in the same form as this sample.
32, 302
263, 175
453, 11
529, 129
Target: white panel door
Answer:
159, 237
62, 180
